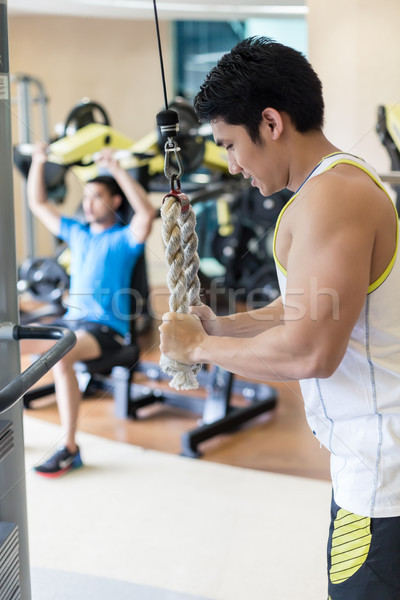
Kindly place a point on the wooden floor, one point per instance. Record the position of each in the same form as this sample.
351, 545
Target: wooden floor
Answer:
279, 441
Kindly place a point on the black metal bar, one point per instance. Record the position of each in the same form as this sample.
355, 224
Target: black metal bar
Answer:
38, 392
238, 416
248, 389
25, 380
219, 391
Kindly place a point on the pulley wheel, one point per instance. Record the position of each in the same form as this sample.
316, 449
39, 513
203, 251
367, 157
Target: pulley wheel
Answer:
85, 113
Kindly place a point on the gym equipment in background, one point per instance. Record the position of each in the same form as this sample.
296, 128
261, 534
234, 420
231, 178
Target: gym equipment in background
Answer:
116, 373
81, 137
239, 242
47, 281
235, 246
388, 129
235, 252
31, 107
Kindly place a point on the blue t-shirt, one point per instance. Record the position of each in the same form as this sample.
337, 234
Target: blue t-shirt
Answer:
101, 271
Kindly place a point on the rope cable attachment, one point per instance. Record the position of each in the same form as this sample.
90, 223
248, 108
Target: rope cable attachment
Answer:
180, 240
179, 236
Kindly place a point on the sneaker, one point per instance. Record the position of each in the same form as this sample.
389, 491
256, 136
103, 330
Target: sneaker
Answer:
60, 463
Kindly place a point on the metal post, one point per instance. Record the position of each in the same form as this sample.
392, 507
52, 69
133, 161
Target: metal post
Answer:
30, 91
12, 466
24, 129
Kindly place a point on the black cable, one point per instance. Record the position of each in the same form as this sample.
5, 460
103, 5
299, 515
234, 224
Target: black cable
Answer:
161, 57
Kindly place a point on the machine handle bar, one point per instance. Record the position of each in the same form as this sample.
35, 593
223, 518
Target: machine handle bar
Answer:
25, 380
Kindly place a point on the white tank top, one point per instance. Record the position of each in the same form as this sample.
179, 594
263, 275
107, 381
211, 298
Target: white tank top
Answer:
355, 413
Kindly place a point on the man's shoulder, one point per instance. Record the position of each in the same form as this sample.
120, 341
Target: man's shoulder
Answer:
71, 228
72, 222
124, 234
118, 230
343, 187
339, 202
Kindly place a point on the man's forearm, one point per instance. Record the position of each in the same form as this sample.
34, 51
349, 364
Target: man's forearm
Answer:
36, 189
38, 199
266, 357
134, 192
251, 323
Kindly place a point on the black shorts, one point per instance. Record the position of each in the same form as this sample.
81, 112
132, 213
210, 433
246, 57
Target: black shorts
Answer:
363, 557
109, 340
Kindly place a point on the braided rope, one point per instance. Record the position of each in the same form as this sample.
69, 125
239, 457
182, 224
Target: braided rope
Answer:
180, 240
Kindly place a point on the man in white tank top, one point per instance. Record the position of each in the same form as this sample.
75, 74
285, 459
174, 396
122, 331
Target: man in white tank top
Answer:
336, 325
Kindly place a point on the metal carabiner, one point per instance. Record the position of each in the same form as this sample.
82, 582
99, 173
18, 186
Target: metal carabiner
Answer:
179, 196
172, 173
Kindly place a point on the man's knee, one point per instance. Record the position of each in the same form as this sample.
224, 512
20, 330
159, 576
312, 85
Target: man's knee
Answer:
64, 365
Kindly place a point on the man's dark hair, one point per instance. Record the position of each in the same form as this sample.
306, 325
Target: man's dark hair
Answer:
260, 73
124, 210
110, 183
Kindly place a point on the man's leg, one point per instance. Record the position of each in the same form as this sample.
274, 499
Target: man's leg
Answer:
67, 389
363, 557
68, 398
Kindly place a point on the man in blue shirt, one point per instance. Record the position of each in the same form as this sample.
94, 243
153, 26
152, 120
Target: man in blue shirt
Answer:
103, 254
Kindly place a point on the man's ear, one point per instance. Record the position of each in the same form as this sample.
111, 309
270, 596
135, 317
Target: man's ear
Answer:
273, 120
117, 201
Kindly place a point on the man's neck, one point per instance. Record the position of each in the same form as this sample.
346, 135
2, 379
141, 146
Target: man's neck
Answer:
307, 150
96, 227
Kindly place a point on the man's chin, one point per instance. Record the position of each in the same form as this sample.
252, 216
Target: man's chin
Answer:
264, 190
259, 186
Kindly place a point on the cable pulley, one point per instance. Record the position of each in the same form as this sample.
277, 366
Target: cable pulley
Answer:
168, 123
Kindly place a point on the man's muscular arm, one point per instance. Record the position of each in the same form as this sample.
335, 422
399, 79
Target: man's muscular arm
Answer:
242, 324
328, 273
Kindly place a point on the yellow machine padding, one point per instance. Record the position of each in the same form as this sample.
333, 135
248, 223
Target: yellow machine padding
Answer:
81, 146
393, 122
85, 142
215, 157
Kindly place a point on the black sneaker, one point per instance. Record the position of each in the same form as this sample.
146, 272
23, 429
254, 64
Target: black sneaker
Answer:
60, 463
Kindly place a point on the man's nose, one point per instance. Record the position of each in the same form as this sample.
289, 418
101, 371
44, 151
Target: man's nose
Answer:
233, 167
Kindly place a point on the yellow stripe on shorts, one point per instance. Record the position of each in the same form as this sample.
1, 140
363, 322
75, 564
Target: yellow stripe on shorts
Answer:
351, 541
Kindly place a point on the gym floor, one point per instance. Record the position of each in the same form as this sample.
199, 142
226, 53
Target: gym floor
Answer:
279, 442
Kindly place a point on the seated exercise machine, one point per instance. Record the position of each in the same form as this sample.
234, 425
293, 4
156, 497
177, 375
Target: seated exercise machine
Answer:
116, 373
241, 242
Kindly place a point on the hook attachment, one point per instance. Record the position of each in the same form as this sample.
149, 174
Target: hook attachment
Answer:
173, 168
